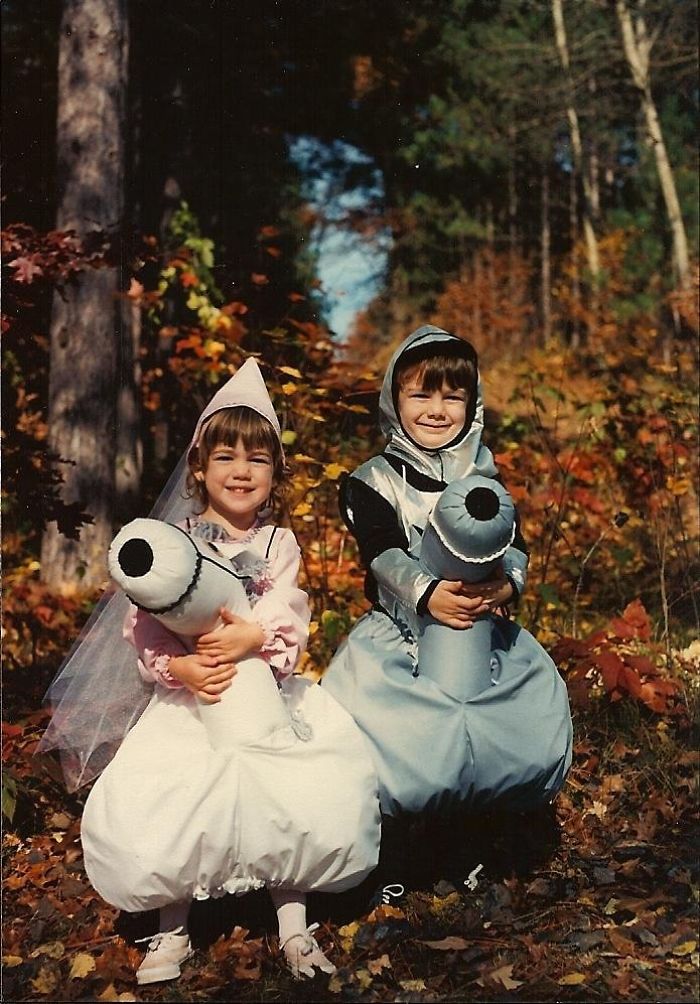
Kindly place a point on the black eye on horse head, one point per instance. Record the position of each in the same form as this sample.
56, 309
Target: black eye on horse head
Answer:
135, 557
482, 503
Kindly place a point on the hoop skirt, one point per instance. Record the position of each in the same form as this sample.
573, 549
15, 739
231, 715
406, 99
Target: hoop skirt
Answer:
507, 747
171, 818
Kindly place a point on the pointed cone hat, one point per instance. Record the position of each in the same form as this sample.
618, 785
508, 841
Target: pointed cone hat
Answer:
246, 388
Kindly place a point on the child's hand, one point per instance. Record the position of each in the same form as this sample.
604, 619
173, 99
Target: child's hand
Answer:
450, 605
495, 592
202, 675
236, 639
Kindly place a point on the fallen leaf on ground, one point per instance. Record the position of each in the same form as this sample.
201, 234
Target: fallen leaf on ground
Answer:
450, 944
110, 994
687, 948
504, 976
376, 966
572, 980
81, 965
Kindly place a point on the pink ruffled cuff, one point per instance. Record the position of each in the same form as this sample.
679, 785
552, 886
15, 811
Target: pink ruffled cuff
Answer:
279, 648
160, 667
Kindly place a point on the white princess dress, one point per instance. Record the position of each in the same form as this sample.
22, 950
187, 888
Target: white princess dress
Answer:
295, 806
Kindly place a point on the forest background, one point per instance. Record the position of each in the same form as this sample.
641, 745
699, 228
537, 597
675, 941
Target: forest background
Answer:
521, 173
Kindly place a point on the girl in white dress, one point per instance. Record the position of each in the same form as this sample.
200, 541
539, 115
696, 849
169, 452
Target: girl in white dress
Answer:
293, 808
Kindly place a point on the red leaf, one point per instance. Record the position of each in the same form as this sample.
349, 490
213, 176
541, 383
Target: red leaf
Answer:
611, 667
642, 664
25, 270
622, 629
631, 682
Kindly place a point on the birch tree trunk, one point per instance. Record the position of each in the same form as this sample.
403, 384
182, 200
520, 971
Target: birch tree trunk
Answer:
92, 74
589, 234
637, 45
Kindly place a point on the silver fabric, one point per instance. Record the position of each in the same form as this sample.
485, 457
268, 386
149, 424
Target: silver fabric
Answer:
435, 747
467, 456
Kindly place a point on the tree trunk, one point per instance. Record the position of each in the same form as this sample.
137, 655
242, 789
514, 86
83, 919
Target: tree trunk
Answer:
92, 72
546, 273
576, 143
129, 458
637, 46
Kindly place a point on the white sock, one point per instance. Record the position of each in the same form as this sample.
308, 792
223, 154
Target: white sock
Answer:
291, 912
174, 915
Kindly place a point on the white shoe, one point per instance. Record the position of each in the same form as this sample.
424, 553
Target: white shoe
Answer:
302, 953
165, 954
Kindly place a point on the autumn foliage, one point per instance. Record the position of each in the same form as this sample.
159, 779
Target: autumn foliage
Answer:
597, 445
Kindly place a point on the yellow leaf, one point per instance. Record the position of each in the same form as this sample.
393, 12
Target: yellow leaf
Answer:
572, 980
290, 371
415, 985
303, 509
52, 950
686, 948
347, 935
304, 458
213, 347
678, 486
45, 982
333, 471
363, 978
12, 960
313, 628
81, 965
110, 994
289, 388
288, 437
335, 984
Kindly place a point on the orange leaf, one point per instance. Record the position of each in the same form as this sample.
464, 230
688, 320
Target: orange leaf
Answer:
635, 614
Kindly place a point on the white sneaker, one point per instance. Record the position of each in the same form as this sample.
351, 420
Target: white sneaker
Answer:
165, 954
302, 953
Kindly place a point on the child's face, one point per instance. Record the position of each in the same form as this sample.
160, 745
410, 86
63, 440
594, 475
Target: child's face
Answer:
432, 418
238, 483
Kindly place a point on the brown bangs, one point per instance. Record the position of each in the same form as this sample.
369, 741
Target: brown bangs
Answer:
433, 373
226, 428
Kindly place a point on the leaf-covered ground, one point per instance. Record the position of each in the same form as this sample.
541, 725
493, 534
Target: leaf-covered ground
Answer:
596, 900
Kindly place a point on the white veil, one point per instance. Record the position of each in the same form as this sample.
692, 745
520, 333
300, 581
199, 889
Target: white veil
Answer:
98, 692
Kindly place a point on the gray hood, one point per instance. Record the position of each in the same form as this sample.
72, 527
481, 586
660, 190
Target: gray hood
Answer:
465, 455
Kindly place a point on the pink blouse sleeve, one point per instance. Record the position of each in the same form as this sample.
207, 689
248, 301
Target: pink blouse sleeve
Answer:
155, 646
283, 610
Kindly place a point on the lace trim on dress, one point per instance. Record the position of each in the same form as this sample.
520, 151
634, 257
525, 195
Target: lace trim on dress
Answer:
215, 533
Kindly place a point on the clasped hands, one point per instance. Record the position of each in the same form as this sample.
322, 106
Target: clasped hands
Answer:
458, 604
207, 672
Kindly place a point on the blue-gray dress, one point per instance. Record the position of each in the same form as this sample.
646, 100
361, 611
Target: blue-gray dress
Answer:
510, 745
